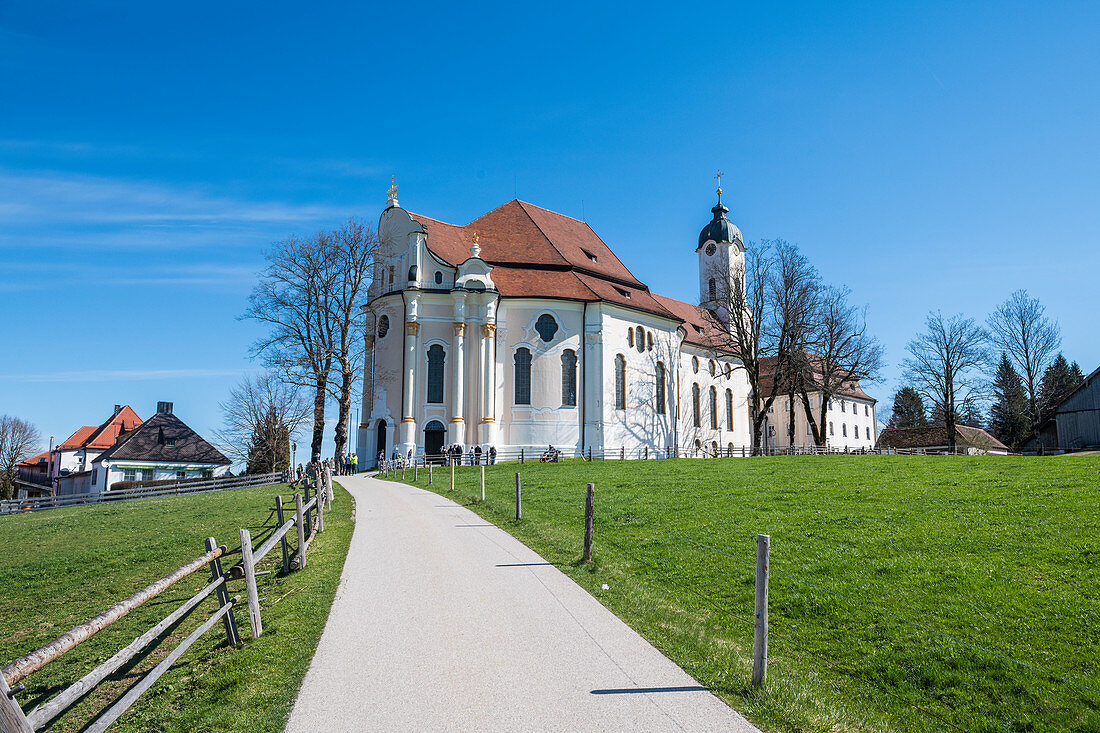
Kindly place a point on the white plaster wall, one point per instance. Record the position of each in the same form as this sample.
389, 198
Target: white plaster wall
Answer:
736, 382
855, 414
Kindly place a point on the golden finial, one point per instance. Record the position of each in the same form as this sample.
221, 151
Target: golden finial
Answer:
475, 248
475, 238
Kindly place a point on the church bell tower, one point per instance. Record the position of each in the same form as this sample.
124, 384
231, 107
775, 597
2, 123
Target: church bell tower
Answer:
721, 253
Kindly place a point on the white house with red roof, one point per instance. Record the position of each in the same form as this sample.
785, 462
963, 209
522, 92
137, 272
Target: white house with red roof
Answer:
522, 329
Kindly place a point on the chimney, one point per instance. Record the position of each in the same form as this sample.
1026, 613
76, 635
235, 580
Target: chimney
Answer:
164, 408
118, 409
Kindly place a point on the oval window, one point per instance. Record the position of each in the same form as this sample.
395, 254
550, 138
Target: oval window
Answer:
546, 326
383, 326
438, 278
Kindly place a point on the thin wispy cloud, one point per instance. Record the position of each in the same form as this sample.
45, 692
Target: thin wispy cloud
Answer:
120, 375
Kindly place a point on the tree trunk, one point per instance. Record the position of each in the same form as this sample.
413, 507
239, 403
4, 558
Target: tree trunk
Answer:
347, 380
318, 417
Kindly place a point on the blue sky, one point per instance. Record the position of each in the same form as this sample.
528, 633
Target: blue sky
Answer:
926, 155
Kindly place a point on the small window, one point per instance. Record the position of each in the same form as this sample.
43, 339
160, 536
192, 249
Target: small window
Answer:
589, 255
630, 337
649, 341
729, 409
842, 409
729, 371
831, 432
624, 293
620, 382
412, 273
710, 366
639, 338
383, 326
569, 378
695, 364
523, 376
546, 326
208, 473
844, 430
181, 474
713, 408
438, 277
695, 405
713, 291
855, 431
147, 474
129, 474
169, 442
866, 410
391, 274
660, 388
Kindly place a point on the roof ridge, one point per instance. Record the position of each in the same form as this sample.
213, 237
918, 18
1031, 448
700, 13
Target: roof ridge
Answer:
541, 231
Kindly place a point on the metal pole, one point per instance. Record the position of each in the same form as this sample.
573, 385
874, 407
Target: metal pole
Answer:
589, 516
519, 509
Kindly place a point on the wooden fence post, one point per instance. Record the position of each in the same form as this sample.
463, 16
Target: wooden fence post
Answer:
521, 455
622, 453
589, 516
250, 584
328, 489
300, 559
589, 454
282, 541
321, 510
760, 631
647, 452
223, 595
416, 472
483, 483
430, 474
452, 475
11, 714
519, 509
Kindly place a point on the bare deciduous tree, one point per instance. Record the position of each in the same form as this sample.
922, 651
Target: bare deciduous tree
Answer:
842, 353
18, 440
1020, 328
944, 365
262, 415
293, 298
352, 260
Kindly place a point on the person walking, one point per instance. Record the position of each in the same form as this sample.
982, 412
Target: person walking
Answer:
354, 463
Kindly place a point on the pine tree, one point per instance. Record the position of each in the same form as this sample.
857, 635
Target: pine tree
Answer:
1059, 379
269, 451
1009, 418
908, 409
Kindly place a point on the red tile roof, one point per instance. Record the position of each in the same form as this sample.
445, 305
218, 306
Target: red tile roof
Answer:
935, 436
33, 461
539, 253
106, 434
847, 389
700, 326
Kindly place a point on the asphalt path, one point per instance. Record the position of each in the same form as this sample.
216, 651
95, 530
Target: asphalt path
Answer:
442, 621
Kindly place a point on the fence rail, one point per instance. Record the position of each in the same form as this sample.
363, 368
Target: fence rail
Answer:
308, 513
16, 506
550, 454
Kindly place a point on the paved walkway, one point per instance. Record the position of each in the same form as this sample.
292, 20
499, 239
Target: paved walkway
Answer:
444, 622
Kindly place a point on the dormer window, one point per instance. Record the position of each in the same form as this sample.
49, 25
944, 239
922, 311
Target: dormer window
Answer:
589, 255
624, 293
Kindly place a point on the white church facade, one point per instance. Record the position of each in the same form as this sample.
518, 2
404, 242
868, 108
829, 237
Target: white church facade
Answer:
522, 329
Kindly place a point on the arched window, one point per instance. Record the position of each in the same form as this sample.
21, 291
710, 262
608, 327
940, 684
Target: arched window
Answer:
523, 376
710, 367
569, 378
844, 430
630, 337
729, 409
435, 374
383, 326
546, 326
391, 274
713, 408
620, 382
649, 340
660, 388
639, 339
695, 405
695, 364
831, 429
855, 431
438, 277
713, 290
412, 272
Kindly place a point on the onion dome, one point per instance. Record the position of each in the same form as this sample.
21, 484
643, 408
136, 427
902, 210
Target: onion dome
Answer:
720, 229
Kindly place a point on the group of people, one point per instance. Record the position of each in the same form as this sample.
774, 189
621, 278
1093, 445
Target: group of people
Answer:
346, 465
451, 454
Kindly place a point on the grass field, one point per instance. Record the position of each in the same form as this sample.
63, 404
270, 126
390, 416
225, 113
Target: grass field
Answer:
63, 566
1001, 553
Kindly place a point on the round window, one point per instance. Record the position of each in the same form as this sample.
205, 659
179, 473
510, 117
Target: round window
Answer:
546, 326
383, 326
438, 278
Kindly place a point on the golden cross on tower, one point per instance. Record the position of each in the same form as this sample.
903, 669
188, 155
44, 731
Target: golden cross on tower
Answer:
391, 195
718, 177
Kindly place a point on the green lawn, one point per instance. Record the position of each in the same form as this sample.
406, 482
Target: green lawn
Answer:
60, 567
998, 552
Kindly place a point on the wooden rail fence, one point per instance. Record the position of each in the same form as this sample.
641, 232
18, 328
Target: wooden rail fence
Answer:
16, 506
14, 720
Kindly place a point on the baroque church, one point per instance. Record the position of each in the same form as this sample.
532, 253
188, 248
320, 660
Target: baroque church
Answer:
522, 329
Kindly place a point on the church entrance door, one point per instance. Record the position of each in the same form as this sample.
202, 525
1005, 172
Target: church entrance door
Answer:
381, 449
434, 435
